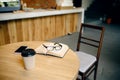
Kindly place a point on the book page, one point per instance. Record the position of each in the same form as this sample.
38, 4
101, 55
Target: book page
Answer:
51, 49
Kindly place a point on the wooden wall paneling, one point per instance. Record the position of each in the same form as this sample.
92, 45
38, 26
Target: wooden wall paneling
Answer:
12, 31
48, 28
31, 29
53, 28
4, 35
38, 29
43, 25
42, 28
58, 23
25, 29
2, 38
75, 22
63, 26
19, 30
59, 26
71, 23
68, 26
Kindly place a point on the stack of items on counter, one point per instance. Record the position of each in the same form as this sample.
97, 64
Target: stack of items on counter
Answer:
64, 4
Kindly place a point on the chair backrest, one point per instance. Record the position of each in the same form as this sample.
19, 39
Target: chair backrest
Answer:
95, 41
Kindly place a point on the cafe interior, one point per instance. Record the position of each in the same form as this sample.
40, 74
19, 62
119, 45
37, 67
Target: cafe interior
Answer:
59, 39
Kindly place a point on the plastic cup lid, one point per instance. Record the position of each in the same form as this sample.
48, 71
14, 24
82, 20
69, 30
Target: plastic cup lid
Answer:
28, 53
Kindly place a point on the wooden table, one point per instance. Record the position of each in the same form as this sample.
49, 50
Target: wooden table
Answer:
47, 67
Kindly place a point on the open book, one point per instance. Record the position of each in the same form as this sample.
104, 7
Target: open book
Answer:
54, 49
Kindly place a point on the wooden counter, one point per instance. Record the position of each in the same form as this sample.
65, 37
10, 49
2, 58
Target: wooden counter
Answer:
39, 24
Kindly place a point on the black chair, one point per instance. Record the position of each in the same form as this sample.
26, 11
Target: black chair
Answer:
89, 62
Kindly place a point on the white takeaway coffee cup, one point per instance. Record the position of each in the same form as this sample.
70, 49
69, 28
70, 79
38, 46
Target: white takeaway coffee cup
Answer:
28, 58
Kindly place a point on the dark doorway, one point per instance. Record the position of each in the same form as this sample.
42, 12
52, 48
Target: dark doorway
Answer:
77, 3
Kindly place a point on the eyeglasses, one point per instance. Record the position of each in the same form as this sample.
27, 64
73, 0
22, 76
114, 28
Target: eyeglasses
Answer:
56, 46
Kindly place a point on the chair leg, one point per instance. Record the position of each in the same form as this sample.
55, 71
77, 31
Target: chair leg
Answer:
95, 72
83, 77
77, 79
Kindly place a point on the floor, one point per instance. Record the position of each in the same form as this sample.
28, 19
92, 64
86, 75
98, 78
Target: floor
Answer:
109, 64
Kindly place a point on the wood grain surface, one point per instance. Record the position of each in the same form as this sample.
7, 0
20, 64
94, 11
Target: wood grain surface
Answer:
46, 67
40, 3
37, 29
